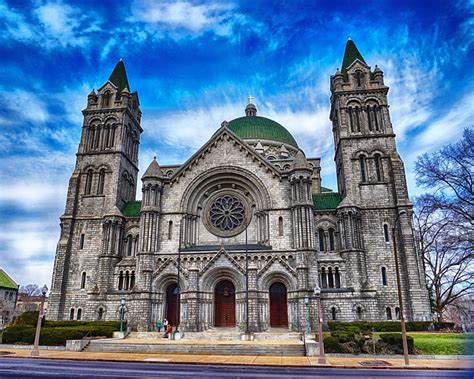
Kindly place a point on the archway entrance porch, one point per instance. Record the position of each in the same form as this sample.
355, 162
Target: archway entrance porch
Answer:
172, 304
278, 306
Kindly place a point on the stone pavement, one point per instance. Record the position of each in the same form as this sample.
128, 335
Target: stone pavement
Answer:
352, 362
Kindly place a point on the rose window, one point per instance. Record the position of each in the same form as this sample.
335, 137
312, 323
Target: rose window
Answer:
227, 213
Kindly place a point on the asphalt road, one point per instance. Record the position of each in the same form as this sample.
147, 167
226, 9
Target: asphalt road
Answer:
49, 368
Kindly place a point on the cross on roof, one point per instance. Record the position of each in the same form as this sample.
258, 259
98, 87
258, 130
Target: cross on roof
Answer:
251, 99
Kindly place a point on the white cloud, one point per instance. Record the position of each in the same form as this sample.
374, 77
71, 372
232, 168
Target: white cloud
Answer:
196, 18
23, 105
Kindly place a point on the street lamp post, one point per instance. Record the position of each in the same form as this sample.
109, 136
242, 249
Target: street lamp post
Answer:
247, 327
322, 356
122, 312
178, 288
308, 327
35, 351
399, 288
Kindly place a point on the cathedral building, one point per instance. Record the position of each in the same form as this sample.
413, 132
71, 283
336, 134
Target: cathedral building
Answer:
242, 233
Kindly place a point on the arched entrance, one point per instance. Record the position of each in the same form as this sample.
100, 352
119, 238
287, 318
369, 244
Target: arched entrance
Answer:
224, 304
278, 306
171, 304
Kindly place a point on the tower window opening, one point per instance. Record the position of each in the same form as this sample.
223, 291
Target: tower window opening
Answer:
378, 168
88, 182
385, 233
120, 283
100, 185
81, 241
106, 99
363, 176
79, 314
100, 314
397, 313
83, 280
384, 276
369, 117
330, 278
358, 78
357, 118
129, 245
359, 313
280, 226
71, 314
337, 277
324, 282
388, 310
333, 314
170, 230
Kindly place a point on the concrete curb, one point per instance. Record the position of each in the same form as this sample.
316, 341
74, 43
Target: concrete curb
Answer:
329, 366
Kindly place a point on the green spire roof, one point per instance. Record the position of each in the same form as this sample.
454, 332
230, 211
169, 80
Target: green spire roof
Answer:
350, 55
256, 127
6, 281
119, 76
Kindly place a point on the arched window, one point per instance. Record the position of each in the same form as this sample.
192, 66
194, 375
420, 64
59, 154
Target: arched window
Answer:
363, 175
321, 239
359, 313
369, 117
384, 276
397, 313
324, 282
350, 111
127, 280
357, 118
330, 278
106, 99
170, 230
112, 136
120, 283
71, 314
129, 245
83, 280
389, 313
337, 277
79, 313
88, 182
358, 75
132, 280
378, 167
100, 314
280, 226
100, 185
385, 233
333, 314
331, 240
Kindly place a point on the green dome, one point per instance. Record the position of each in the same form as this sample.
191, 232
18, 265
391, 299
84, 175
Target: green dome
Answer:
256, 127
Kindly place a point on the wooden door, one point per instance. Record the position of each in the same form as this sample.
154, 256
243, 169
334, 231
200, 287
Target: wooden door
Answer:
171, 304
278, 305
224, 304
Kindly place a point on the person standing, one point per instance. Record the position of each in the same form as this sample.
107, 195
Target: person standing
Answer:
165, 325
158, 326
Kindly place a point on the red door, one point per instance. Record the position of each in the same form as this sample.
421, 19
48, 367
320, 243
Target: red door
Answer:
278, 305
224, 304
171, 304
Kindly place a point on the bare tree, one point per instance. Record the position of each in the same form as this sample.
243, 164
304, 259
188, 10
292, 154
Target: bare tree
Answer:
31, 290
445, 221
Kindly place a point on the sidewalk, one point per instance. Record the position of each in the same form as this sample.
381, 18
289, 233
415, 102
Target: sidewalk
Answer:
347, 362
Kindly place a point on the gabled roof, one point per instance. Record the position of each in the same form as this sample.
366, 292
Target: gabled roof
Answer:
224, 130
119, 76
326, 200
132, 208
6, 281
351, 54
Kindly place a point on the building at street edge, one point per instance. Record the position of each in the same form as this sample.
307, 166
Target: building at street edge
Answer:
249, 188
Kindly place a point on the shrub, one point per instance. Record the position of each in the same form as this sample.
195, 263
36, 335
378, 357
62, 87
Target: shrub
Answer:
443, 325
19, 334
75, 323
344, 337
29, 318
395, 343
365, 327
331, 345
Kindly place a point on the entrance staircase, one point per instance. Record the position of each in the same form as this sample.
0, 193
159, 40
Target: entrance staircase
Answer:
218, 341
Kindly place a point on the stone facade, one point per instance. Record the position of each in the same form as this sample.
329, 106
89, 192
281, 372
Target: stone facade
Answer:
244, 212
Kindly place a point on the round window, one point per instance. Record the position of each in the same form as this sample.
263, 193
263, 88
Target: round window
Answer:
226, 215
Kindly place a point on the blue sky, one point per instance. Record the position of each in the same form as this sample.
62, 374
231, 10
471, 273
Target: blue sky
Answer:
194, 63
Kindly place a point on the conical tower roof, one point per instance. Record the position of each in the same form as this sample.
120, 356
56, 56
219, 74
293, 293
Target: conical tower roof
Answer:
153, 170
119, 76
350, 55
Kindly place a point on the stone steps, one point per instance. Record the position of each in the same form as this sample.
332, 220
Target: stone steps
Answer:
268, 348
213, 335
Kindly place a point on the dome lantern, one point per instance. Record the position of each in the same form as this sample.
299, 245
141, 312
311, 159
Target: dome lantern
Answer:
251, 109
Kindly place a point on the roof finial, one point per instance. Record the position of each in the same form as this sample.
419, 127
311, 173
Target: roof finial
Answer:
154, 157
120, 60
251, 98
349, 38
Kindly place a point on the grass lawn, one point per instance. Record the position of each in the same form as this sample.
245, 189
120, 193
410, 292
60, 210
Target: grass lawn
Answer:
443, 343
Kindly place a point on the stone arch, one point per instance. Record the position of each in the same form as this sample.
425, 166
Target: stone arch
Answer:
219, 273
278, 276
162, 281
235, 177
